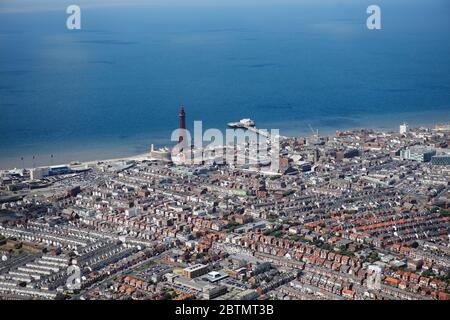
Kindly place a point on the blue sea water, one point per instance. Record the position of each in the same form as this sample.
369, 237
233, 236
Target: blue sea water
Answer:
115, 86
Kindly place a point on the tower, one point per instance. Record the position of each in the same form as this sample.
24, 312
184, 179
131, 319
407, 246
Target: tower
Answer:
182, 116
316, 155
404, 128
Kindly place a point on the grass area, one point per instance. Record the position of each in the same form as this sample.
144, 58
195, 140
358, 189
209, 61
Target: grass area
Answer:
274, 233
145, 266
232, 225
11, 246
430, 274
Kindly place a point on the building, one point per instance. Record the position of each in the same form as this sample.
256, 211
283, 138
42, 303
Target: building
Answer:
57, 170
440, 160
417, 154
162, 154
210, 291
38, 173
347, 154
404, 128
316, 155
442, 128
304, 166
195, 271
215, 276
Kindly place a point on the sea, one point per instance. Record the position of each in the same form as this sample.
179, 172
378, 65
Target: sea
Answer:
114, 87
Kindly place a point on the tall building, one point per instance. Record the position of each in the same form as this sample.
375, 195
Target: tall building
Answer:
316, 155
182, 123
404, 128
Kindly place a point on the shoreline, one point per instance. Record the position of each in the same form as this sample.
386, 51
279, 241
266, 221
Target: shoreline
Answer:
136, 147
137, 157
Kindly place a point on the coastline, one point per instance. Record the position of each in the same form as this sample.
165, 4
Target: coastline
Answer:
135, 147
380, 122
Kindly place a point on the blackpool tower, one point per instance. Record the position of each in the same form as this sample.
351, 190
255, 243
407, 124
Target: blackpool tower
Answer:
182, 124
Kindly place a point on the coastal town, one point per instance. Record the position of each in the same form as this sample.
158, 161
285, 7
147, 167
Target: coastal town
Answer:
358, 215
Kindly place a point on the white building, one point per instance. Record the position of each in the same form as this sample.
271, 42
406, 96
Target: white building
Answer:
404, 128
132, 212
421, 154
38, 173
